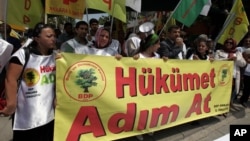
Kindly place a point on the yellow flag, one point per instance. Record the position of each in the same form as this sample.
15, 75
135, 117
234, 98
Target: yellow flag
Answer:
25, 14
235, 25
70, 8
159, 23
116, 8
171, 22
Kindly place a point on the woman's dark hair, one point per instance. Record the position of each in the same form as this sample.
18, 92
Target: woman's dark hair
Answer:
172, 27
37, 30
93, 20
198, 40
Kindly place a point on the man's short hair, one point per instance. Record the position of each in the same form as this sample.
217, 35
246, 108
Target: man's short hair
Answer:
172, 27
81, 23
93, 20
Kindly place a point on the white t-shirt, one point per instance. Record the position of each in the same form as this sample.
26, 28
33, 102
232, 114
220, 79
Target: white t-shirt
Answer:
36, 93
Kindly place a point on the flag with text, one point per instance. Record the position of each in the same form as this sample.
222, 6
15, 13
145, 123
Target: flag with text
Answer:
71, 8
188, 10
25, 14
116, 8
235, 25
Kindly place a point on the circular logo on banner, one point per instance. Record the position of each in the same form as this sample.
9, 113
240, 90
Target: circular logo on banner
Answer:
31, 77
224, 75
84, 81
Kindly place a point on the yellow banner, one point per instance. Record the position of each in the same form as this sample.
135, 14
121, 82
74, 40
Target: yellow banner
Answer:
236, 24
100, 98
24, 13
116, 8
71, 8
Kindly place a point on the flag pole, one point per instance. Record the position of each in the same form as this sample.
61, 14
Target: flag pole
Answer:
5, 18
87, 15
230, 16
112, 19
224, 27
45, 18
136, 19
45, 14
170, 16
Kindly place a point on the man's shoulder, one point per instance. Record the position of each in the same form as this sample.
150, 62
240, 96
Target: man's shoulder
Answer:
68, 43
164, 43
65, 37
115, 42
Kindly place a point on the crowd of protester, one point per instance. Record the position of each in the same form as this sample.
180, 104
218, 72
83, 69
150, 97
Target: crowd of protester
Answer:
90, 38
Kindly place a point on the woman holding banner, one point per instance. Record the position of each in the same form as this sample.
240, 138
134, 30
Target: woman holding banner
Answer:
201, 51
230, 53
103, 44
33, 103
148, 49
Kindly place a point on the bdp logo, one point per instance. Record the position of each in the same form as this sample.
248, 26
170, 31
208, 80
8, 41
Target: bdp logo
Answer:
84, 81
224, 75
31, 77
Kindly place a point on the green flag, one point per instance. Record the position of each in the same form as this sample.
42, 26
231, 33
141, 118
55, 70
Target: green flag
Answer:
187, 11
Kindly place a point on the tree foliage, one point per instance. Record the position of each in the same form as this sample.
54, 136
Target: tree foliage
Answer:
58, 20
85, 78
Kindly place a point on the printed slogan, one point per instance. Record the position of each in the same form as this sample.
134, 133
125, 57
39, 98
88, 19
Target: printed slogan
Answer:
100, 98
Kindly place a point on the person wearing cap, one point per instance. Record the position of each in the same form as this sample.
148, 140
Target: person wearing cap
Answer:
148, 49
132, 44
149, 46
172, 47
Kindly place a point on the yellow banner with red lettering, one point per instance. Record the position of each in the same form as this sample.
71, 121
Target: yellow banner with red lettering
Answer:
116, 8
100, 98
71, 8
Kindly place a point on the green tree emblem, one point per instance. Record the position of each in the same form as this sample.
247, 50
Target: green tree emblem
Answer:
224, 74
30, 76
86, 79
